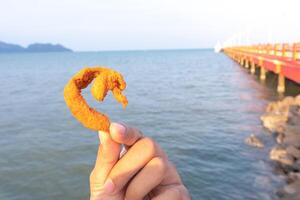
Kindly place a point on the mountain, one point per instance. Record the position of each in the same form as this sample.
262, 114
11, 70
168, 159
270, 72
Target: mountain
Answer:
39, 47
36, 47
10, 48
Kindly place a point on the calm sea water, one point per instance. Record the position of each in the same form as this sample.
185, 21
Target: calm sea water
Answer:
200, 106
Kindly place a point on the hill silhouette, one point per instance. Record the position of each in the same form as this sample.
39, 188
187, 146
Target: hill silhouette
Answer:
35, 47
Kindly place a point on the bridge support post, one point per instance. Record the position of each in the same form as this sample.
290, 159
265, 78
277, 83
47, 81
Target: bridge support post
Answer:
247, 64
281, 78
262, 69
281, 83
252, 69
262, 73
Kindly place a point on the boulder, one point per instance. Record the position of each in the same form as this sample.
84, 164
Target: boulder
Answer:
274, 122
293, 151
281, 156
290, 191
271, 107
288, 101
297, 100
252, 140
283, 118
293, 176
296, 166
283, 109
292, 135
279, 107
279, 138
294, 109
294, 115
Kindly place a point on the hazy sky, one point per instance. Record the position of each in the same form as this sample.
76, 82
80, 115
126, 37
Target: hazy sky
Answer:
154, 24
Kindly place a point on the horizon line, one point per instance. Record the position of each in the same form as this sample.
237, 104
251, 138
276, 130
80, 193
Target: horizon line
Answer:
167, 49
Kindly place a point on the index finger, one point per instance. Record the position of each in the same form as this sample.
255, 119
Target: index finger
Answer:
124, 134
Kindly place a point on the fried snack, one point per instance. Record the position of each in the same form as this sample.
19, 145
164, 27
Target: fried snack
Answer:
105, 79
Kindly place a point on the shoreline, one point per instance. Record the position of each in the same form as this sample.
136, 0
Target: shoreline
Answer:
282, 120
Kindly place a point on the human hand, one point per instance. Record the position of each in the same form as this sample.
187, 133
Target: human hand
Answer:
143, 172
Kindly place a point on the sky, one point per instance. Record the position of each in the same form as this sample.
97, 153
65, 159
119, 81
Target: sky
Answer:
92, 25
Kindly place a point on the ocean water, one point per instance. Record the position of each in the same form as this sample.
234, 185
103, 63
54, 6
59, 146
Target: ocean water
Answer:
199, 106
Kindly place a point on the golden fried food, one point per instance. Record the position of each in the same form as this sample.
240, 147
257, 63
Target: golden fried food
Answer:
105, 79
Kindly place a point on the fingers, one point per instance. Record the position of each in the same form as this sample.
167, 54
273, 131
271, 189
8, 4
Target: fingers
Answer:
133, 161
108, 155
124, 134
147, 179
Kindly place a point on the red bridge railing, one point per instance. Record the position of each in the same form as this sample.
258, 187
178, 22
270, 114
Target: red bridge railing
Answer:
282, 59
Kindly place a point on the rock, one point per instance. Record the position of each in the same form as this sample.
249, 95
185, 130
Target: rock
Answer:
292, 129
282, 109
279, 138
292, 135
278, 113
271, 107
274, 122
296, 166
294, 109
295, 196
295, 120
280, 155
293, 151
297, 100
277, 152
283, 118
291, 191
294, 115
288, 101
252, 140
293, 176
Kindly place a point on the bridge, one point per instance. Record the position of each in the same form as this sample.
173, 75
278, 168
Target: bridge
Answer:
281, 59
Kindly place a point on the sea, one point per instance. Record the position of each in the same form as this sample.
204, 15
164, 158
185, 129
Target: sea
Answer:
198, 105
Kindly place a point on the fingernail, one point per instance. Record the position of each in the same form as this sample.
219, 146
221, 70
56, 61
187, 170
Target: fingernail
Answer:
108, 186
118, 128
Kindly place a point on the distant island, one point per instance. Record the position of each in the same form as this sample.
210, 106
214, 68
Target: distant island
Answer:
35, 47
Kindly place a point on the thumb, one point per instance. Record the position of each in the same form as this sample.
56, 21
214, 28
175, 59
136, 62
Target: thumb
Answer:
108, 155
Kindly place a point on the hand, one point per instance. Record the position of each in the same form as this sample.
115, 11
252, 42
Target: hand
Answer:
143, 172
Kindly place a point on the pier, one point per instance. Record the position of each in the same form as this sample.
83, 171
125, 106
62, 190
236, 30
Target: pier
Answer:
281, 59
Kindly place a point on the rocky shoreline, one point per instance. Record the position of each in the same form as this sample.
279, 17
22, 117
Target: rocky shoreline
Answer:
282, 119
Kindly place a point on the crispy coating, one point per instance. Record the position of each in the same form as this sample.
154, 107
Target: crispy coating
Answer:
105, 79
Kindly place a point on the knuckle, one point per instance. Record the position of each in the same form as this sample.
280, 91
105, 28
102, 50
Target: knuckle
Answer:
150, 145
160, 164
133, 134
